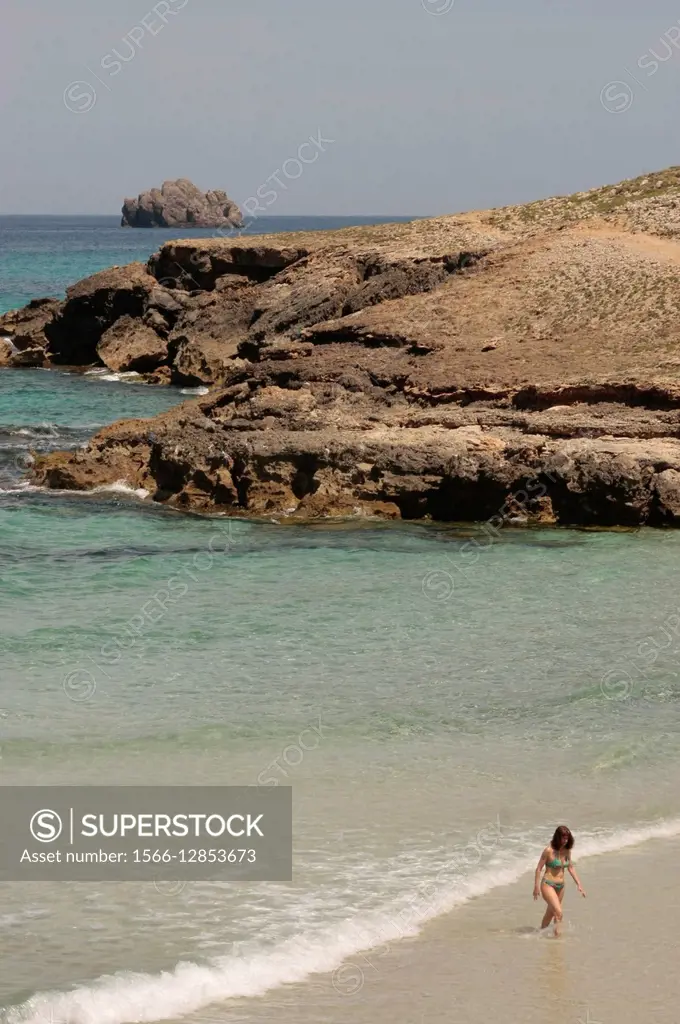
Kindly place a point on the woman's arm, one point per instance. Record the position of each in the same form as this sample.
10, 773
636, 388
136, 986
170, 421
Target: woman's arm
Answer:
572, 871
537, 876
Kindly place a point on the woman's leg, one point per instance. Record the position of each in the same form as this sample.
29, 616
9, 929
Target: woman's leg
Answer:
554, 901
548, 916
558, 921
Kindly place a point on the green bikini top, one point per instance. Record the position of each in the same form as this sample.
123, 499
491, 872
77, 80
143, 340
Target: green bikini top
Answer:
555, 863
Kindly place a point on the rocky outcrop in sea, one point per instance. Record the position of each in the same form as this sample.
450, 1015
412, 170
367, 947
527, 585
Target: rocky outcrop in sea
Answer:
178, 204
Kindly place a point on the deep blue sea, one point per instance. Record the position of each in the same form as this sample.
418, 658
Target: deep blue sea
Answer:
414, 703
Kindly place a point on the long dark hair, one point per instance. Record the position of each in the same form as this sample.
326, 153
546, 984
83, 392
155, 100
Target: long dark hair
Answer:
562, 839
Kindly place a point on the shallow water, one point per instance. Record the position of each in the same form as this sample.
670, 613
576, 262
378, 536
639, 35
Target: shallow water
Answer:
435, 708
42, 256
615, 961
434, 717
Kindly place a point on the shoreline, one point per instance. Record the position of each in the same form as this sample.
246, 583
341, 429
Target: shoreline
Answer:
447, 957
503, 366
613, 962
465, 530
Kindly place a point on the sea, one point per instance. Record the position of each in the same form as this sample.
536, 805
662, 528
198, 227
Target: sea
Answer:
436, 714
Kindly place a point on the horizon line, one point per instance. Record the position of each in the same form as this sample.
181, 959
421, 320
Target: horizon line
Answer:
266, 216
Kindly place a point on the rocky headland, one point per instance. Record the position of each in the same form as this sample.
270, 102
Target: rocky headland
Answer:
514, 365
180, 204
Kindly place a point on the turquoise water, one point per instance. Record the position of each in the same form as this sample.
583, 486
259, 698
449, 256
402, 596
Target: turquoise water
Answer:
442, 697
45, 411
43, 255
438, 712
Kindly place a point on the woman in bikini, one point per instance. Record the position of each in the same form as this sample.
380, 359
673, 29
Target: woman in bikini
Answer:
555, 858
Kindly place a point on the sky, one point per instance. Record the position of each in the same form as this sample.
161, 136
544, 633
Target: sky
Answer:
423, 107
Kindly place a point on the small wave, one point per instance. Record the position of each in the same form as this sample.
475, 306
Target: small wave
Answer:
36, 430
194, 391
43, 431
103, 373
21, 488
120, 487
189, 987
15, 447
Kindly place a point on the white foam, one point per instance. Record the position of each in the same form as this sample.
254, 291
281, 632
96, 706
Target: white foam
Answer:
39, 430
612, 842
194, 391
130, 376
21, 488
189, 987
120, 487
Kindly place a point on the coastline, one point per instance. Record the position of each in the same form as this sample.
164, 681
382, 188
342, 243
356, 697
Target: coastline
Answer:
486, 959
434, 716
614, 961
339, 553
507, 367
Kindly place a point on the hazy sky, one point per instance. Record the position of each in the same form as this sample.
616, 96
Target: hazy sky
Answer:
485, 103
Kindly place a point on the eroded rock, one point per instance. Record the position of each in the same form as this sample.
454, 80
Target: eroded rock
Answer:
22, 333
94, 305
131, 345
181, 204
667, 484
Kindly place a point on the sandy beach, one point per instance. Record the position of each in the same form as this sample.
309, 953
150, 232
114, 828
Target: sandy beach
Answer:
616, 961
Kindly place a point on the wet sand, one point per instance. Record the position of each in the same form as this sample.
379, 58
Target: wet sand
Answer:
615, 962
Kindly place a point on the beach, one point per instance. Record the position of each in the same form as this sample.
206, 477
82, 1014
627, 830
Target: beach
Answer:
614, 962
